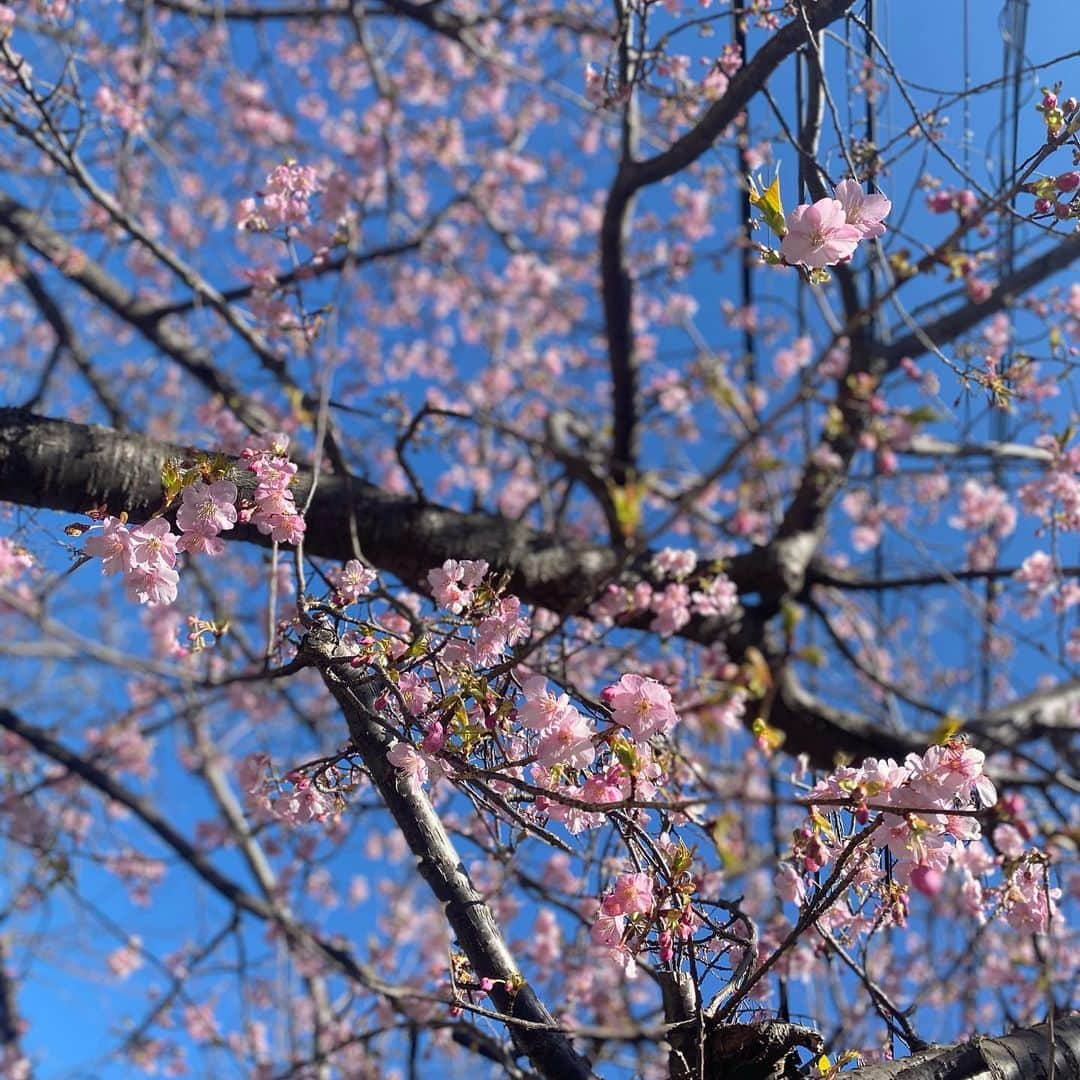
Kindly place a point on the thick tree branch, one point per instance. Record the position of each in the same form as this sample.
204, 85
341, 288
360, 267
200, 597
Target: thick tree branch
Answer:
1023, 1054
747, 82
952, 324
58, 465
550, 1051
850, 581
617, 284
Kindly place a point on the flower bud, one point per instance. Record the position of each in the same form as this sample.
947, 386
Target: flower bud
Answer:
927, 880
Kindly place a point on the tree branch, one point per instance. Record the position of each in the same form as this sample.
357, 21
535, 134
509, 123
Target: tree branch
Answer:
616, 282
550, 1051
58, 465
952, 324
27, 227
1023, 1054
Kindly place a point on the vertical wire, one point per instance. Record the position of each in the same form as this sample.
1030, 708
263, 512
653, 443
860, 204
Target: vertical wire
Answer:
1015, 14
745, 267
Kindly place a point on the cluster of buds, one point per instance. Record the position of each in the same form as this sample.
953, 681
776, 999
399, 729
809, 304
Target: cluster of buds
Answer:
1057, 113
1056, 196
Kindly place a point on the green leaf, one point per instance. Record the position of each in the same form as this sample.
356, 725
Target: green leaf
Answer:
769, 203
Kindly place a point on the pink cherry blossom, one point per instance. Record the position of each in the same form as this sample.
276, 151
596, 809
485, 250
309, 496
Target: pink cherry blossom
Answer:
642, 705
410, 761
113, 545
152, 584
1038, 573
717, 596
415, 692
454, 583
631, 895
819, 235
352, 581
679, 563
541, 709
126, 960
927, 880
608, 930
672, 607
207, 509
567, 742
152, 543
865, 212
14, 561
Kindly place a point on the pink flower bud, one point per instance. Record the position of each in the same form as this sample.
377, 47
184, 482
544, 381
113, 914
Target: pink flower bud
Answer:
1070, 105
667, 947
1068, 181
927, 880
1049, 100
966, 201
1043, 206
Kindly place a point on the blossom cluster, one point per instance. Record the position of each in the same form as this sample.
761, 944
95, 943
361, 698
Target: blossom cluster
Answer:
636, 904
454, 584
927, 813
565, 736
206, 511
827, 232
146, 554
296, 801
286, 199
672, 605
987, 510
275, 513
571, 757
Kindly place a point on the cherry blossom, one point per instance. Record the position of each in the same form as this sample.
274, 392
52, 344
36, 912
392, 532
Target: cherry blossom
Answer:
820, 235
865, 212
207, 509
112, 545
642, 705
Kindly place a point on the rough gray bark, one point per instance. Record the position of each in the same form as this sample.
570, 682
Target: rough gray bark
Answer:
550, 1050
59, 465
1023, 1054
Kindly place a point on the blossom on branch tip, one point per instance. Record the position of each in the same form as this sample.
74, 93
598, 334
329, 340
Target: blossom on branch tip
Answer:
819, 235
351, 581
865, 212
